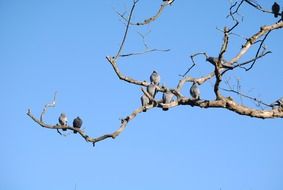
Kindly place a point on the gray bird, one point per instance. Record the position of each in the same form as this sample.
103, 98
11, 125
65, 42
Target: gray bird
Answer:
167, 98
77, 123
214, 60
277, 103
63, 120
151, 89
155, 78
194, 91
275, 9
144, 101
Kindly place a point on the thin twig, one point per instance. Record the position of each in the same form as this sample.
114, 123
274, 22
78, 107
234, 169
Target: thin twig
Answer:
258, 50
246, 96
144, 52
51, 104
126, 31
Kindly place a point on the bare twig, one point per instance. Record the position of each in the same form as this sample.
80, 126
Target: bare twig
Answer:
218, 72
127, 28
193, 61
260, 46
51, 104
144, 52
246, 96
254, 38
146, 21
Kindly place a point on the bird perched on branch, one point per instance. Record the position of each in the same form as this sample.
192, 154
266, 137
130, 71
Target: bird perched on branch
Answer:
155, 78
275, 9
167, 98
277, 103
77, 123
63, 120
169, 2
214, 60
144, 101
151, 89
194, 91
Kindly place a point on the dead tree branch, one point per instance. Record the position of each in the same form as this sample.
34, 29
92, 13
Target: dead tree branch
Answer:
221, 67
146, 21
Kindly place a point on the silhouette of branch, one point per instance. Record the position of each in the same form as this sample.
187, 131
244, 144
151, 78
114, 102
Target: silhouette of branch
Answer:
246, 96
240, 65
144, 52
260, 46
127, 28
254, 4
192, 59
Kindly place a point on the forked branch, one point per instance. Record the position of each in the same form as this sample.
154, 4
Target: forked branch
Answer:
220, 68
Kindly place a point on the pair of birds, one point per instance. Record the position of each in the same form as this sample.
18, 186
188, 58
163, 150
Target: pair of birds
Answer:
276, 9
63, 120
168, 95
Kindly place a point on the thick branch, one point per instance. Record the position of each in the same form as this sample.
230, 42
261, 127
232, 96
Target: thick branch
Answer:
254, 38
231, 105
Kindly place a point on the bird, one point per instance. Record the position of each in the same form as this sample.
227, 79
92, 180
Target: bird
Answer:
275, 9
144, 101
167, 98
155, 78
77, 123
63, 120
277, 103
214, 60
194, 91
151, 89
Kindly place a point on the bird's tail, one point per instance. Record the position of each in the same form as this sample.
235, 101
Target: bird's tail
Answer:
75, 132
165, 109
64, 129
275, 15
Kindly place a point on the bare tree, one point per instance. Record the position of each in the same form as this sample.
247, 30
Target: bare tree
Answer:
173, 96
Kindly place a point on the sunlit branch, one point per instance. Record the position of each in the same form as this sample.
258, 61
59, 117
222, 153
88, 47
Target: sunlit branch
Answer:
146, 21
51, 104
250, 41
260, 46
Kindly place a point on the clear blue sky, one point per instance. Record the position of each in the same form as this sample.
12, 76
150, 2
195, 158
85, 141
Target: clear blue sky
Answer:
60, 45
